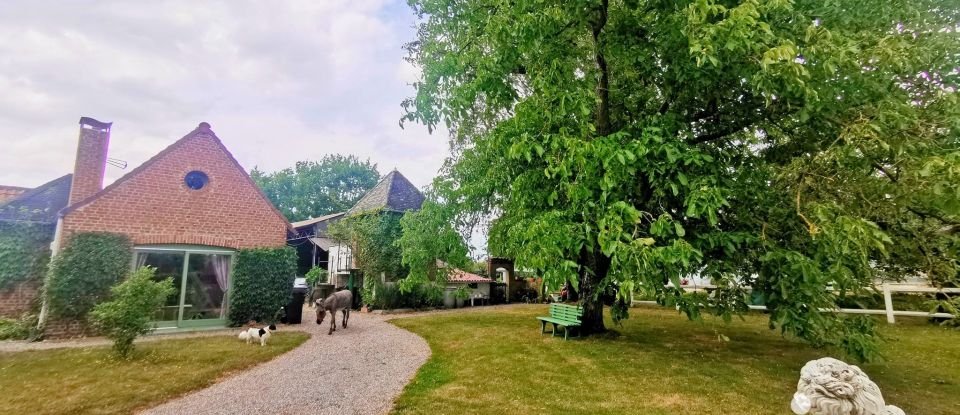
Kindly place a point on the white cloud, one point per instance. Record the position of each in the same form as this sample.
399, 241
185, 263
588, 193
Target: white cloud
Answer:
278, 81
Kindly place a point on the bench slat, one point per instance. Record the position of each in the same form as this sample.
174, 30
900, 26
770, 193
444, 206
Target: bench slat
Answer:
561, 322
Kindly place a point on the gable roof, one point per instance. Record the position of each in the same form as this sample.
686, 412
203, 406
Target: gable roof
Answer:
394, 193
203, 128
40, 204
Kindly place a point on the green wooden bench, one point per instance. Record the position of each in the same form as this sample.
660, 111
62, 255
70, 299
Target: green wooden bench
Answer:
563, 315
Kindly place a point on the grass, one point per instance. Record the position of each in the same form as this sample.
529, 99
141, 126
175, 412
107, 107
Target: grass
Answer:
93, 381
496, 361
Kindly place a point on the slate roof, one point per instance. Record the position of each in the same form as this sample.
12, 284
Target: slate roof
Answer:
394, 193
40, 204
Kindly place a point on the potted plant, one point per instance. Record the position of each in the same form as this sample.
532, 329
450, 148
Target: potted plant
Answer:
460, 295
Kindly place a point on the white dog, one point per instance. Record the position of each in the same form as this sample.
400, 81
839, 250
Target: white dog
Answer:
252, 334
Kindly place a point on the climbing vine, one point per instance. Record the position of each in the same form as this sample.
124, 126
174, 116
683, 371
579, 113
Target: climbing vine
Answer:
262, 283
82, 273
24, 251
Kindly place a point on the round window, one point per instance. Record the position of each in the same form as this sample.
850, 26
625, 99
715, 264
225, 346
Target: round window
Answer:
196, 180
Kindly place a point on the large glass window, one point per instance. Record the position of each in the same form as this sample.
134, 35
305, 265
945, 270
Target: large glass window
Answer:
201, 280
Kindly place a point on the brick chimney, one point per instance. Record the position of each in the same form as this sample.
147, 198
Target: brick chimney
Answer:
91, 159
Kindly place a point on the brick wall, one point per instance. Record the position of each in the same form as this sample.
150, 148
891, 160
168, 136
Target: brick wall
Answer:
19, 298
153, 205
67, 329
10, 192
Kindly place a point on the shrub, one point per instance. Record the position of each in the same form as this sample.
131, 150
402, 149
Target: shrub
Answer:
262, 284
315, 276
21, 329
389, 296
130, 311
83, 272
24, 251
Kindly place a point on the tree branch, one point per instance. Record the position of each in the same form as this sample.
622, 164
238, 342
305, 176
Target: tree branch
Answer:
927, 215
892, 177
715, 135
603, 87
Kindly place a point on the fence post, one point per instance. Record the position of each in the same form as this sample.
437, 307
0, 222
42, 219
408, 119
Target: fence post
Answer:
888, 303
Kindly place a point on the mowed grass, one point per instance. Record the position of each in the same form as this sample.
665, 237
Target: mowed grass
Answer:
496, 361
93, 381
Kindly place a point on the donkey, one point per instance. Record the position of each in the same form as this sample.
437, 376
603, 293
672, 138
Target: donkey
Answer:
340, 300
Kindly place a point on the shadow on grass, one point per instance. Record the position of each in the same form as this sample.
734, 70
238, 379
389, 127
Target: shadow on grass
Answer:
657, 362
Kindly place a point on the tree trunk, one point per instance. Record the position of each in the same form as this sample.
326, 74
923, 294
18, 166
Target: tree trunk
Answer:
593, 264
594, 267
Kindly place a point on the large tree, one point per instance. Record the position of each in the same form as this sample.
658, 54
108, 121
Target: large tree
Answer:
316, 188
779, 146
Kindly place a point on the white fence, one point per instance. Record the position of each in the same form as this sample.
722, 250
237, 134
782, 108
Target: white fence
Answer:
888, 290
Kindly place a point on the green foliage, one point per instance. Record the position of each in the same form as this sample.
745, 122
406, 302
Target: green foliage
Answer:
312, 189
130, 310
461, 293
82, 273
372, 237
380, 296
24, 251
430, 235
262, 284
780, 146
315, 276
20, 329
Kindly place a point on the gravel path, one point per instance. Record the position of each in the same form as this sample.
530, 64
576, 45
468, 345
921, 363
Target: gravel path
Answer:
358, 370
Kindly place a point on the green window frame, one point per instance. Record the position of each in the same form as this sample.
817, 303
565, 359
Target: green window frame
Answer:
186, 251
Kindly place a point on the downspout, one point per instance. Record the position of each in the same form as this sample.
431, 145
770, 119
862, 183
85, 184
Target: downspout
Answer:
54, 250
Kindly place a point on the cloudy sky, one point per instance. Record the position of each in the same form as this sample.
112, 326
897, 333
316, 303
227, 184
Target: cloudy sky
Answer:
279, 81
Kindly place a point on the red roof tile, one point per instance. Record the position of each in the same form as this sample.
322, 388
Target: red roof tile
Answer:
459, 275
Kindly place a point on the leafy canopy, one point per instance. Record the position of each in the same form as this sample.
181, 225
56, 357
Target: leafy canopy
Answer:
779, 146
312, 189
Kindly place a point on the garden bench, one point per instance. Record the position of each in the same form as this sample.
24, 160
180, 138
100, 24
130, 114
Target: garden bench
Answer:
563, 315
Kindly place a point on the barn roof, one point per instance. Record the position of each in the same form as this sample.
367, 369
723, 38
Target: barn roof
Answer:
394, 193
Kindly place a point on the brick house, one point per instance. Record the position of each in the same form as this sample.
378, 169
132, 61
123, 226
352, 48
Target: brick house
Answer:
187, 210
39, 209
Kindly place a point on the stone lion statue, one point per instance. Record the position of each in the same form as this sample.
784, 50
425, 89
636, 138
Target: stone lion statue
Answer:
830, 387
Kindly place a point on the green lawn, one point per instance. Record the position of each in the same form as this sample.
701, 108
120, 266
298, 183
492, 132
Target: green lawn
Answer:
92, 381
496, 361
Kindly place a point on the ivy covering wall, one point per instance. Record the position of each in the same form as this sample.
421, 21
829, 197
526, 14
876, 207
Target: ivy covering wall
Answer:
262, 284
82, 273
24, 251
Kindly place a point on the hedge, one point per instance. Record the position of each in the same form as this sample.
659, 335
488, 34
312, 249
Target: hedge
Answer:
24, 251
262, 284
82, 273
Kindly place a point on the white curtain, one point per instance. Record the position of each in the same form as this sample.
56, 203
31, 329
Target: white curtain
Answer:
141, 260
221, 267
